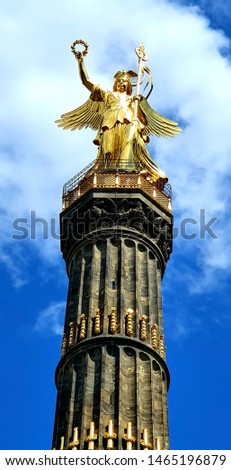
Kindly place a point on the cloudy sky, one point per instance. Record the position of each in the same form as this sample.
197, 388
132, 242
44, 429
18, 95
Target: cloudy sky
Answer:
188, 44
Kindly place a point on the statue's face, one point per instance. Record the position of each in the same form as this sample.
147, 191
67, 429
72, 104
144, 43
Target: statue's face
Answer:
121, 84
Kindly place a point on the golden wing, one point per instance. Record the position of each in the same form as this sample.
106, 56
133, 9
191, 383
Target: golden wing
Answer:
156, 124
90, 114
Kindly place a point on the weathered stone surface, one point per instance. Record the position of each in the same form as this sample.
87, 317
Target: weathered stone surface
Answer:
116, 247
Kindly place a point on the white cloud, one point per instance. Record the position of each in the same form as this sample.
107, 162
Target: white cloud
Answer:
14, 270
50, 320
40, 81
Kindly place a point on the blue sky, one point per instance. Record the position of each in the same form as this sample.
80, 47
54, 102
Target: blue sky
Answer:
188, 44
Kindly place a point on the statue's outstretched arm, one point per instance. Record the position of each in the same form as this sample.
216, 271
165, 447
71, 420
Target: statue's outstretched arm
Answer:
83, 74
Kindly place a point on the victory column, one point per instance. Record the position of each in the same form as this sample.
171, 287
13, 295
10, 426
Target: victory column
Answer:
116, 226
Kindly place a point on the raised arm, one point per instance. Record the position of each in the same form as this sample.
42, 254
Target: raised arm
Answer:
83, 74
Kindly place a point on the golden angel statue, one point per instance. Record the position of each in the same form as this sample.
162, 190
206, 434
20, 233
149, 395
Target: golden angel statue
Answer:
123, 121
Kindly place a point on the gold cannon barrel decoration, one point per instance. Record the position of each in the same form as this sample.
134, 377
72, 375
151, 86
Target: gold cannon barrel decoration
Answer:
129, 324
143, 327
64, 345
73, 445
162, 347
92, 437
97, 322
71, 339
113, 321
128, 437
155, 336
144, 440
110, 435
83, 324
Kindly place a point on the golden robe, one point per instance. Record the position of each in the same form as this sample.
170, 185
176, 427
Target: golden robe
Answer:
120, 141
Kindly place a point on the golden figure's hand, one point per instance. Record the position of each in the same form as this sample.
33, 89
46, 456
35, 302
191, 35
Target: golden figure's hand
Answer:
136, 98
79, 56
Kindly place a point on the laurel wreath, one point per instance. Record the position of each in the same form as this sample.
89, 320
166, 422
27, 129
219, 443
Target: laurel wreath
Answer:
79, 54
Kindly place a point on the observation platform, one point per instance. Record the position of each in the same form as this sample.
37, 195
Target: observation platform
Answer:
120, 175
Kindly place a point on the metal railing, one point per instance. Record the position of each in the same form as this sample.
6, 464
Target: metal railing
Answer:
75, 180
108, 167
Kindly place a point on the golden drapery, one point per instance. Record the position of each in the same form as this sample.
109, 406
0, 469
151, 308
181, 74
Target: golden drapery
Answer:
121, 141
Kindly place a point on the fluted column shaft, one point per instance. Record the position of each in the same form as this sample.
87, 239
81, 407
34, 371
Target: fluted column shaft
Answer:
115, 270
